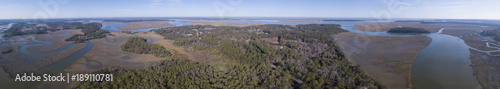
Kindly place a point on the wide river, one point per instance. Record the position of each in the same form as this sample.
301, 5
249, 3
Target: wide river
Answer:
444, 64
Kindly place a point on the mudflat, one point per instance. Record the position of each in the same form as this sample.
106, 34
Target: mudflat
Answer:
18, 62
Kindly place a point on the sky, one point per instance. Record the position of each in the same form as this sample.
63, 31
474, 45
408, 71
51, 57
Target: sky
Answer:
381, 9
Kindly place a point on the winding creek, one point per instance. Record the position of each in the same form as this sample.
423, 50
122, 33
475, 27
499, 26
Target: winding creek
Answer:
444, 64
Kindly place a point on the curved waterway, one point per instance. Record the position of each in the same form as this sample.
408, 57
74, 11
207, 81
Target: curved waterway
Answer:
24, 48
444, 64
53, 69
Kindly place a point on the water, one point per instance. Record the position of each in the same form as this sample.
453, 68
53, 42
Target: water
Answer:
444, 64
53, 69
24, 48
112, 27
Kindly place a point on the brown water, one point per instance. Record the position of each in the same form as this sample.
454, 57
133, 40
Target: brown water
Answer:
444, 64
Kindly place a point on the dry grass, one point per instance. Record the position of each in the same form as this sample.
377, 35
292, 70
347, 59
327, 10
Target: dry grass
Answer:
144, 25
486, 67
109, 54
387, 59
385, 26
57, 37
12, 60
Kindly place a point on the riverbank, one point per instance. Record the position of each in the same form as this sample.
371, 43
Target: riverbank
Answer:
19, 62
144, 25
299, 20
222, 23
386, 26
387, 59
486, 67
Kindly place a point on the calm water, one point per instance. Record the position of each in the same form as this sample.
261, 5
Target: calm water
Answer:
53, 69
443, 64
112, 27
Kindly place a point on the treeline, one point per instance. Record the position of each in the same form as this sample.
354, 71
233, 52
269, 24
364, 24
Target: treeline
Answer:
7, 50
306, 57
54, 26
139, 45
23, 29
494, 33
408, 30
136, 20
91, 31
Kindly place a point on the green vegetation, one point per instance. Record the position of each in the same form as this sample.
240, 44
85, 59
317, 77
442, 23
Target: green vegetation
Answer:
494, 33
139, 45
407, 30
23, 29
54, 26
91, 31
7, 50
306, 57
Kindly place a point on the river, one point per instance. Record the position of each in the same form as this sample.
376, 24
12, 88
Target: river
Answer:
444, 64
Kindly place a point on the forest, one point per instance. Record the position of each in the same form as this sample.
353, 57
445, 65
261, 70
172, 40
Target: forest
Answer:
408, 30
139, 45
305, 56
91, 31
7, 50
23, 28
493, 33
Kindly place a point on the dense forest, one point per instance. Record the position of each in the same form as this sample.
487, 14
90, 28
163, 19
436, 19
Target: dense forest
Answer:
23, 29
91, 31
304, 56
408, 30
7, 50
139, 45
494, 33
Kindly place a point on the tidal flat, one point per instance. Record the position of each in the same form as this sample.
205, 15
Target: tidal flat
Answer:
387, 59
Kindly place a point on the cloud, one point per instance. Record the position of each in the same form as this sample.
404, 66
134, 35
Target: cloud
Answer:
162, 3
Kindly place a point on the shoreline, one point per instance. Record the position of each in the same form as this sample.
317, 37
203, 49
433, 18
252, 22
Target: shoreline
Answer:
390, 66
222, 23
144, 25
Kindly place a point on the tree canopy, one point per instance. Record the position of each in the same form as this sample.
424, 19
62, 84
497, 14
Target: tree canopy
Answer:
139, 45
408, 30
306, 57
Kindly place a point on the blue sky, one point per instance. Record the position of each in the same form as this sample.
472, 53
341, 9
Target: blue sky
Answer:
386, 9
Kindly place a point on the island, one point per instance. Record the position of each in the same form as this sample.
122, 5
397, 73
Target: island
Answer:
492, 33
408, 30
